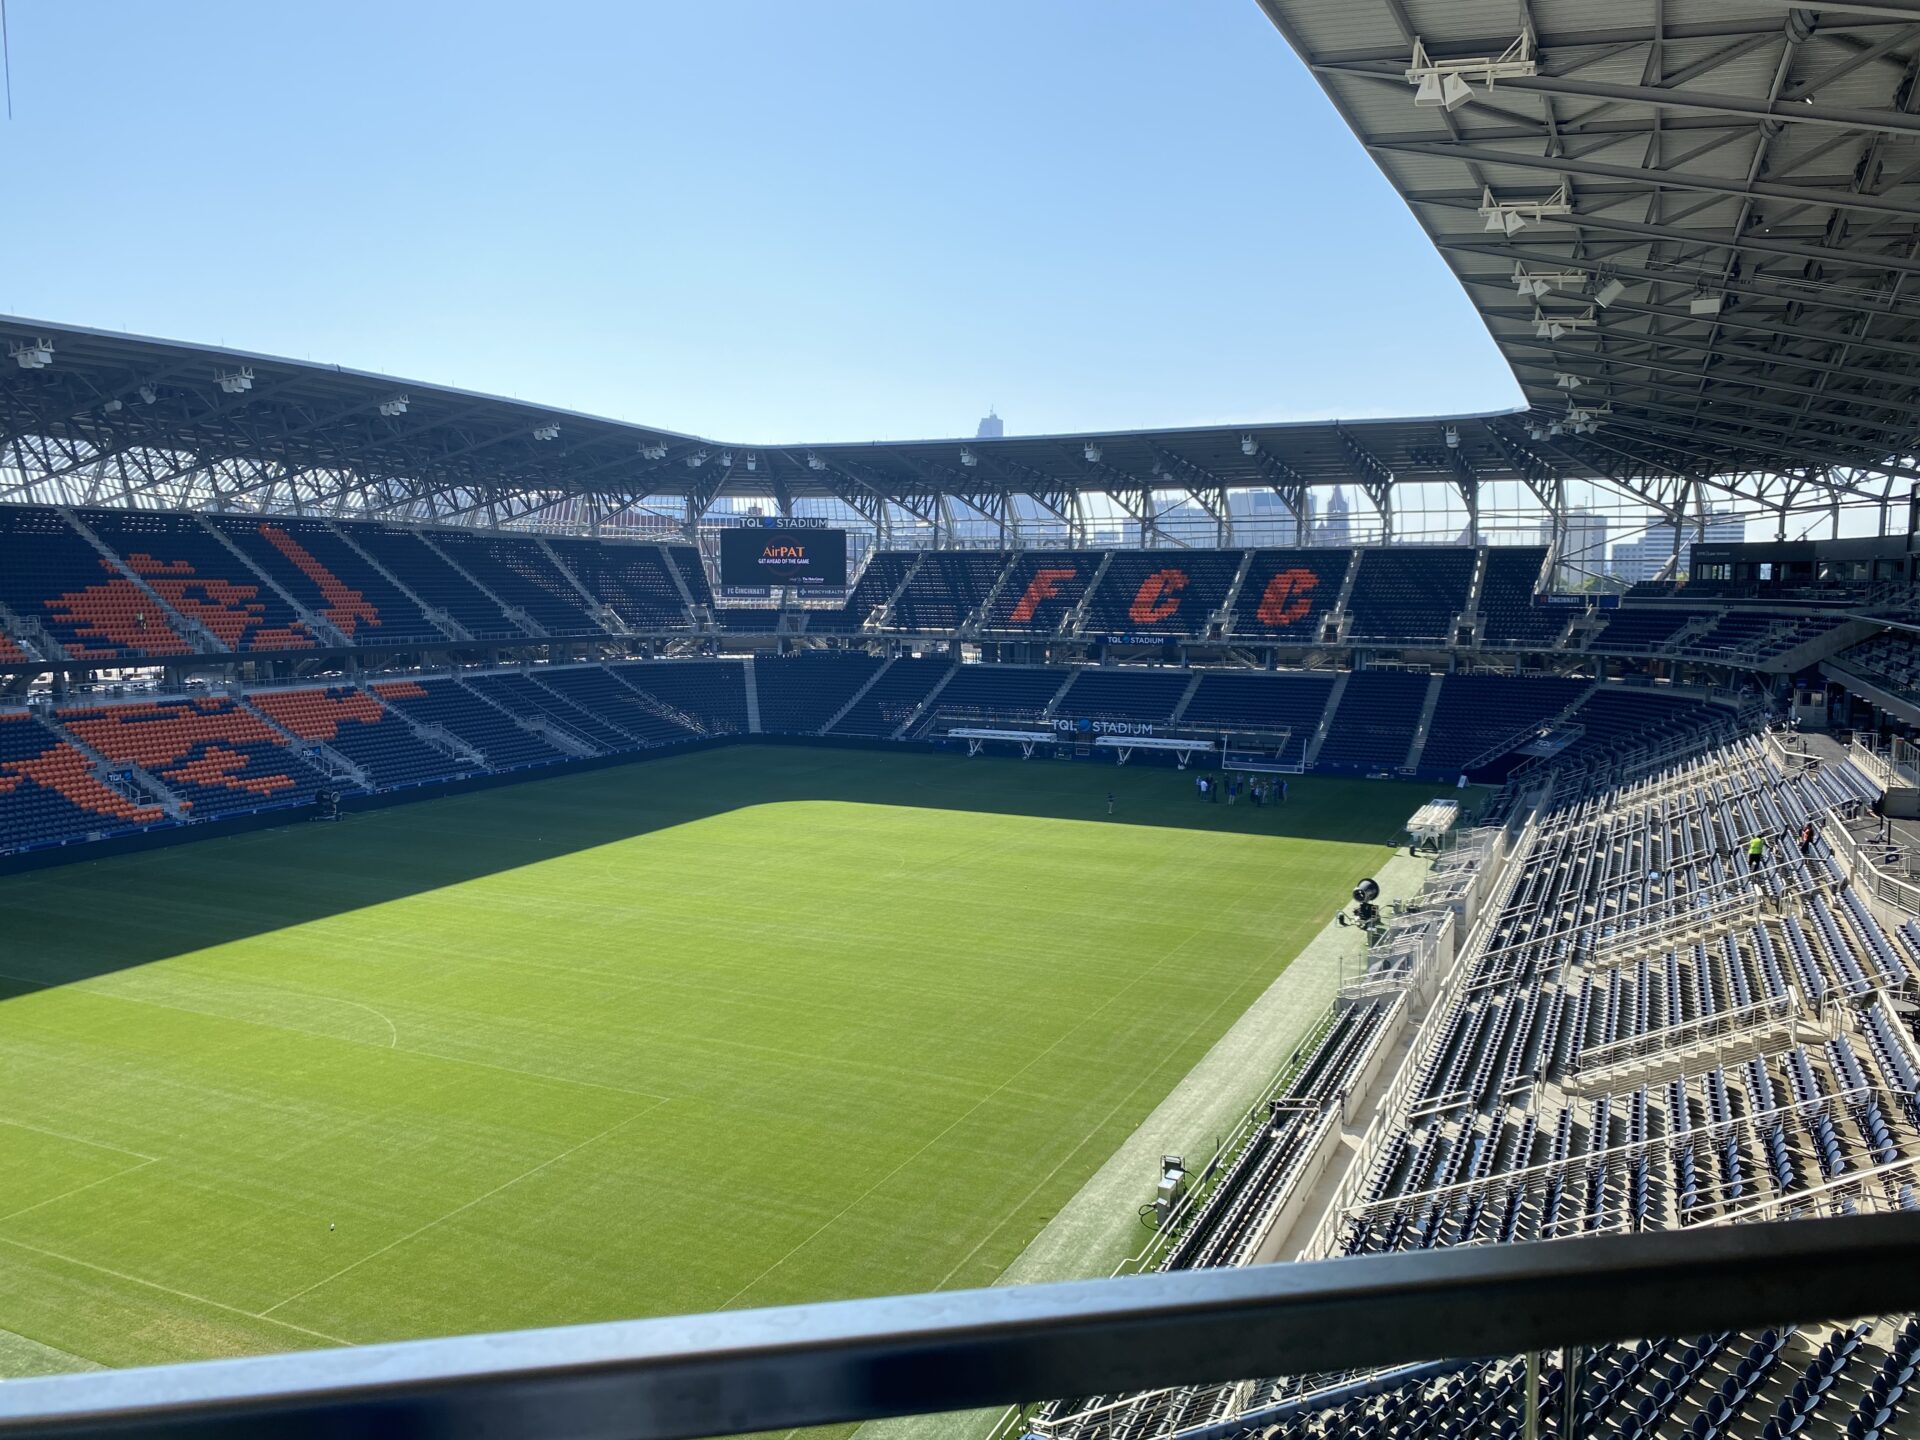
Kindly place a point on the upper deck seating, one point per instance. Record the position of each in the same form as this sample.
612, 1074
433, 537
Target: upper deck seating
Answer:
1124, 694
1375, 723
407, 555
353, 722
893, 697
49, 573
487, 728
50, 793
200, 578
1260, 700
1642, 630
308, 560
1161, 592
1507, 599
1410, 592
1476, 712
1041, 591
686, 560
884, 572
946, 587
634, 581
1891, 661
518, 571
800, 693
712, 692
1288, 592
216, 756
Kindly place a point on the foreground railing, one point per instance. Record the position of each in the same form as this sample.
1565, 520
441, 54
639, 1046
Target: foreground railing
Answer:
868, 1359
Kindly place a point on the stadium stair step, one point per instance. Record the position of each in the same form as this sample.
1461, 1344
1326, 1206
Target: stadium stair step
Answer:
926, 706
1186, 697
155, 789
183, 625
30, 635
519, 617
544, 726
753, 698
1428, 704
672, 714
317, 625
1224, 616
855, 698
977, 616
700, 616
1326, 717
882, 618
434, 735
439, 619
1073, 674
331, 760
1340, 619
1075, 620
606, 616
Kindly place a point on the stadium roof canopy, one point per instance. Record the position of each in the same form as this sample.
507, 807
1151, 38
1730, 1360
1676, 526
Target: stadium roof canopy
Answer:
1704, 212
1738, 181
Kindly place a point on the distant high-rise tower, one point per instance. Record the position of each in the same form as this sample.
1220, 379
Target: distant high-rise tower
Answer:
991, 428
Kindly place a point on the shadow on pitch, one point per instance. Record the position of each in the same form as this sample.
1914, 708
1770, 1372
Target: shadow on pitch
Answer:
77, 921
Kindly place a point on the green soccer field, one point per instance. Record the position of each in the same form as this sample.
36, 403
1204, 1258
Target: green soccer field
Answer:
738, 1028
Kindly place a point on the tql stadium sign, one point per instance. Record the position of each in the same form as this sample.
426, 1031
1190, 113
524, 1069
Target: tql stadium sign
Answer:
1103, 727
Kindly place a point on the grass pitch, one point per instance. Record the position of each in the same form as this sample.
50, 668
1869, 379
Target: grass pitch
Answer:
737, 1028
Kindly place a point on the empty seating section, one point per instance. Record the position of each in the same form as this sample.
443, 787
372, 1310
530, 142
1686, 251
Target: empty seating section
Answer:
525, 698
800, 693
885, 570
713, 693
1248, 700
633, 581
999, 692
1161, 592
50, 792
308, 560
1124, 695
596, 694
1041, 591
215, 755
49, 574
686, 560
200, 578
947, 587
407, 555
1476, 713
1373, 727
1507, 603
1891, 661
354, 723
1288, 592
465, 715
518, 571
1410, 592
1643, 630
892, 698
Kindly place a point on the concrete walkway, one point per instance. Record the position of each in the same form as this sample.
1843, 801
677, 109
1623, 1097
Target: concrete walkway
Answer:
1100, 1225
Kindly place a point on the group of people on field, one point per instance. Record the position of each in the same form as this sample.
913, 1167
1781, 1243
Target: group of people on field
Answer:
1261, 792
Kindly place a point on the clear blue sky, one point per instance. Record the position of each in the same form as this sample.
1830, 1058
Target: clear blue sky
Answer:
759, 220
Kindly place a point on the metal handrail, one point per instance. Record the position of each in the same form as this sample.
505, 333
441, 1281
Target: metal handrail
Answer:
678, 1377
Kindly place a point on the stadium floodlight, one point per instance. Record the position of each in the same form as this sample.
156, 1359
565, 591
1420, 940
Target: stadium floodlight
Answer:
235, 382
753, 461
1453, 438
1510, 217
1552, 327
1567, 380
1609, 292
1249, 446
1092, 452
1444, 84
968, 458
32, 354
654, 451
1532, 284
546, 432
393, 405
148, 394
814, 462
1704, 302
726, 459
696, 459
112, 407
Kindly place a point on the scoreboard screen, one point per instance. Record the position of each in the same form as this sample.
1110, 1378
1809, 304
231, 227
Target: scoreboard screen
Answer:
754, 556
